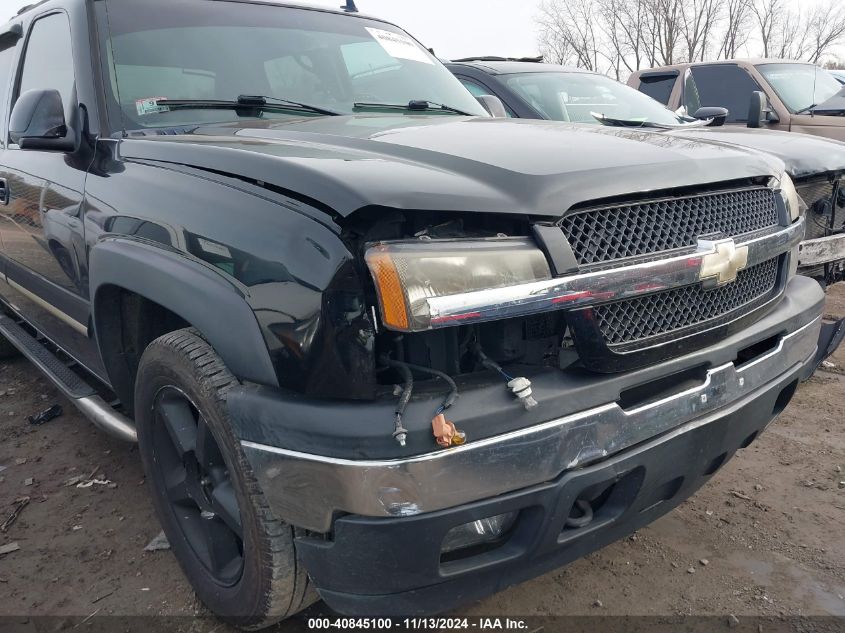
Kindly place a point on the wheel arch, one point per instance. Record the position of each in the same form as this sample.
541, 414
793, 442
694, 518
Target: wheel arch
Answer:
168, 291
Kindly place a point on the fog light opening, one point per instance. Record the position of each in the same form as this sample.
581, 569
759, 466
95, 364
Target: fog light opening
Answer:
476, 537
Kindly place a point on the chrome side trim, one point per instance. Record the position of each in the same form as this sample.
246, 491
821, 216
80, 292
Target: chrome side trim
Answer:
103, 416
65, 318
625, 282
307, 490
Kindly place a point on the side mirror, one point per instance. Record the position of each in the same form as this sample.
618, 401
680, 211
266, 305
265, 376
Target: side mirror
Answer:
719, 115
493, 105
38, 122
759, 112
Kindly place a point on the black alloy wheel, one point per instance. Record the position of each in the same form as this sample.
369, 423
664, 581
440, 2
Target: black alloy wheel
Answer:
198, 485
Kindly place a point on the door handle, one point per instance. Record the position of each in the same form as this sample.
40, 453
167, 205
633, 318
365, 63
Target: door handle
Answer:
4, 191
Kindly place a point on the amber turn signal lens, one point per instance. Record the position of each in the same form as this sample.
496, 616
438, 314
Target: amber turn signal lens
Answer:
393, 307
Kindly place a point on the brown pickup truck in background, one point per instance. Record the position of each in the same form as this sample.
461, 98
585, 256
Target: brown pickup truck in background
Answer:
767, 93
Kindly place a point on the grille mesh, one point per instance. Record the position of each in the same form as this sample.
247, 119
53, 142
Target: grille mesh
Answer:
601, 235
633, 320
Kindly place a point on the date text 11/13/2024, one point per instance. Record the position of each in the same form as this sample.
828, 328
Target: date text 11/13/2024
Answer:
415, 624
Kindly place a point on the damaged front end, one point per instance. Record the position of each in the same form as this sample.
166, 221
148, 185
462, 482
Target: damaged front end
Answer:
508, 349
822, 253
611, 287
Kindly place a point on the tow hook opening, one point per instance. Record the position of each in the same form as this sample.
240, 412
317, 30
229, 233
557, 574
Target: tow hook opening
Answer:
585, 508
600, 504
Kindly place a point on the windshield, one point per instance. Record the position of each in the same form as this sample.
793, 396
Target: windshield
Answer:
800, 86
573, 96
203, 50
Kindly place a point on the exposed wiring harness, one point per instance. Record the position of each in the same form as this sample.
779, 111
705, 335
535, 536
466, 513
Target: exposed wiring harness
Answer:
453, 387
400, 433
520, 386
488, 362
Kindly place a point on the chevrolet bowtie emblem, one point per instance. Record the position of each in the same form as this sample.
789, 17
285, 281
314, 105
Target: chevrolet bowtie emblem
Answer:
722, 265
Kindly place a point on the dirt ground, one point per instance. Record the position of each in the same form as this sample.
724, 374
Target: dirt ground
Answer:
765, 537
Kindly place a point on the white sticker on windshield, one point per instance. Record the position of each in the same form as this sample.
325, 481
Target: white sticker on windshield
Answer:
150, 106
400, 46
213, 248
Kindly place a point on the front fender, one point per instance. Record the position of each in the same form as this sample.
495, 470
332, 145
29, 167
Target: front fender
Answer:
190, 289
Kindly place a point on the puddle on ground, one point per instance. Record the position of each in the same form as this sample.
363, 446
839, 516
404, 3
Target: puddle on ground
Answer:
801, 584
760, 569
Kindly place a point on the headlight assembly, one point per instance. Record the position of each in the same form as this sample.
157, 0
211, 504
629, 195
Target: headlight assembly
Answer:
795, 206
408, 273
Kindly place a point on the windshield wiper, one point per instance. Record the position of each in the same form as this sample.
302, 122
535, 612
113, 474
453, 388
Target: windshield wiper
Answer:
244, 102
809, 109
420, 105
613, 122
279, 101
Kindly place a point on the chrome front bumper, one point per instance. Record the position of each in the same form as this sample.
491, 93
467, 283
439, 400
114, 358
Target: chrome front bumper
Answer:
309, 490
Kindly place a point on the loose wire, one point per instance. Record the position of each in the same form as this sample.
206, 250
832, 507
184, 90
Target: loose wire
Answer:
399, 431
453, 387
488, 362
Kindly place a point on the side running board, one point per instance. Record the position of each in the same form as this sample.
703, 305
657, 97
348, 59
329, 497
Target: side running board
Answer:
83, 396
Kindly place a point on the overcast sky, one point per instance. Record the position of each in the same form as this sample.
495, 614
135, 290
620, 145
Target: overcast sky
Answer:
460, 28
454, 28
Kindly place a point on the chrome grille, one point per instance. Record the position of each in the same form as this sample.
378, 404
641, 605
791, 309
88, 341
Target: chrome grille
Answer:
636, 322
645, 228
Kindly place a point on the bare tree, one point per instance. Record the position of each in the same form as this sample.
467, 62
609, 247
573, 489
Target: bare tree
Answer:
665, 29
698, 20
737, 16
568, 32
793, 34
768, 16
555, 45
623, 23
825, 29
621, 36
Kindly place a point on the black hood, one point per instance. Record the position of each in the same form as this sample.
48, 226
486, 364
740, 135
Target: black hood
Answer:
450, 163
804, 155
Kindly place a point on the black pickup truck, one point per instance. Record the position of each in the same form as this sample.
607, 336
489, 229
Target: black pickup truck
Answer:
374, 344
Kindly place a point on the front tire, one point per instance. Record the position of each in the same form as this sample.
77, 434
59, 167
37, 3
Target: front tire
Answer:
238, 557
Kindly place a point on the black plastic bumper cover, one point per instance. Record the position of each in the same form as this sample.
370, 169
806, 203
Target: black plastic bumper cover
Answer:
393, 566
830, 338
